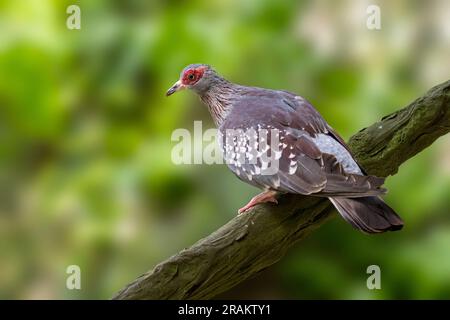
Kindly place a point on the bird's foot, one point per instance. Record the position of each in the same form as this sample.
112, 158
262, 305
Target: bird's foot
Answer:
266, 196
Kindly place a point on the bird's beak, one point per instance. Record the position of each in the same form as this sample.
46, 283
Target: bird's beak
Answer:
176, 87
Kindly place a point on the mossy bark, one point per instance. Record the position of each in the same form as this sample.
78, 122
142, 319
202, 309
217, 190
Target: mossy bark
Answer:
251, 242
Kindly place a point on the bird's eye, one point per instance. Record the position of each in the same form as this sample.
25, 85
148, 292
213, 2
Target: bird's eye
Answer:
191, 76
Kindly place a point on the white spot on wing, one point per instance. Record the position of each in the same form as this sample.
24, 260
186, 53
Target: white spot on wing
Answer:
292, 167
327, 144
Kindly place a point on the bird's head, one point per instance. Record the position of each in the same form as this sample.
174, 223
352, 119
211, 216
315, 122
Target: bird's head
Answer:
197, 77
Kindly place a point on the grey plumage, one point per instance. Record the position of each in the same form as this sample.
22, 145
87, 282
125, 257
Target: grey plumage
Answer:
312, 159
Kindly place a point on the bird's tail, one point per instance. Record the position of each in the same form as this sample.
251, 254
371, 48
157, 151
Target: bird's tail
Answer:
368, 214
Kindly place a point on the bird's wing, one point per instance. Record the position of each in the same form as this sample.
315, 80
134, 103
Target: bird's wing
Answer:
308, 157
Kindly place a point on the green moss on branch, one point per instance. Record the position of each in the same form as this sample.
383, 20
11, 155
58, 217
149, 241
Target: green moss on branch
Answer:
250, 243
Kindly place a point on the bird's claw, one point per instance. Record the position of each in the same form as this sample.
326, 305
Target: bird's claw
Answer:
268, 196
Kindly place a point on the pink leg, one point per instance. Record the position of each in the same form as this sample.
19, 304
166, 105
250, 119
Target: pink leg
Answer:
266, 196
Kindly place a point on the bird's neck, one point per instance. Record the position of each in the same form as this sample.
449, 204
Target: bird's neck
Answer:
219, 98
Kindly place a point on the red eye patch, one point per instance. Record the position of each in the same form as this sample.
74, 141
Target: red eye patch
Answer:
191, 76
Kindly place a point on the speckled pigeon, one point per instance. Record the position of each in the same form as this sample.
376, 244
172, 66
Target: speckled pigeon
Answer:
305, 154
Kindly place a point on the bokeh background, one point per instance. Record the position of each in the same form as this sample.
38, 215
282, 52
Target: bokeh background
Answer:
86, 176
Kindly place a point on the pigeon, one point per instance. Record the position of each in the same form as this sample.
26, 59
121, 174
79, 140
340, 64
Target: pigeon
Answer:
277, 141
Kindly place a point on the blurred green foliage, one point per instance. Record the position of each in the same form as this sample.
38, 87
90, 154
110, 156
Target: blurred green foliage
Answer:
86, 176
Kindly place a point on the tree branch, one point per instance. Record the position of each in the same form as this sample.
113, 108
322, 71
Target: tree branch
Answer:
251, 242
